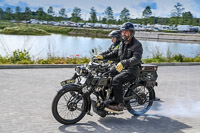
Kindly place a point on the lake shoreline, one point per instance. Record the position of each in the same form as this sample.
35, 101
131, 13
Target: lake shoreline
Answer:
103, 33
58, 45
139, 37
167, 36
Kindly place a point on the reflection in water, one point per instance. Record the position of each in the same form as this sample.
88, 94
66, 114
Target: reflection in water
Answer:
61, 45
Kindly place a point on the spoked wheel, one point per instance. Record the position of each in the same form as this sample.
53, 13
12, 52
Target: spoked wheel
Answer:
143, 101
69, 106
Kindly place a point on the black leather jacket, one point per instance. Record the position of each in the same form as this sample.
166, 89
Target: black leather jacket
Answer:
129, 55
111, 48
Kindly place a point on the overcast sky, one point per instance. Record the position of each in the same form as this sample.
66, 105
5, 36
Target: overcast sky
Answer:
161, 8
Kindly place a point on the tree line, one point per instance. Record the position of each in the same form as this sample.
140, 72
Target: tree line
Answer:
178, 16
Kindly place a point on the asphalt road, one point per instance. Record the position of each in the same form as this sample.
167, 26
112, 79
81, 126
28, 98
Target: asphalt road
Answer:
26, 96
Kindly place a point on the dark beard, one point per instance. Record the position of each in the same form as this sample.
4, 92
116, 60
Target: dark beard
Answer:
125, 38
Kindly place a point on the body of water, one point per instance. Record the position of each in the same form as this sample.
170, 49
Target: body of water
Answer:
64, 46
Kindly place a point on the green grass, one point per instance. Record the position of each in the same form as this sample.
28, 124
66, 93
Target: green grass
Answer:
52, 60
24, 30
95, 33
174, 58
10, 28
63, 60
74, 31
4, 24
23, 57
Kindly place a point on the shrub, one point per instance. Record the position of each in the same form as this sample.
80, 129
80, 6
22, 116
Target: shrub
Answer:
179, 57
188, 60
84, 60
20, 56
197, 59
4, 60
25, 62
42, 61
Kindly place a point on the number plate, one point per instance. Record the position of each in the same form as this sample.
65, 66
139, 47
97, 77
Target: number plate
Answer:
69, 81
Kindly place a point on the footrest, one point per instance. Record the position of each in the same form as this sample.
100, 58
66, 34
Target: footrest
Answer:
113, 111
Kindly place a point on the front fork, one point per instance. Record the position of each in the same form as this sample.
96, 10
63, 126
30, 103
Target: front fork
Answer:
88, 106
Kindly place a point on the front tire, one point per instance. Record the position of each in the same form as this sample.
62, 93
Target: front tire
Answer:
69, 106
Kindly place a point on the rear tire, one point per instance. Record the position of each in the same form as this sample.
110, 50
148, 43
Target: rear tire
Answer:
65, 102
140, 106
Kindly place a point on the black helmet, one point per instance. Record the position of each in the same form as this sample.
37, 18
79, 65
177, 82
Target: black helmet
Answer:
127, 26
115, 33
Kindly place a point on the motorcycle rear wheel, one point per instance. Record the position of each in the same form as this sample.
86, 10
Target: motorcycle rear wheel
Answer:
142, 103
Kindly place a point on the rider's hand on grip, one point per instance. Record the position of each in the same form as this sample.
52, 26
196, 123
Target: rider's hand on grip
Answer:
119, 67
100, 57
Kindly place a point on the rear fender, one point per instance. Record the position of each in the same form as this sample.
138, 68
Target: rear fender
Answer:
153, 92
151, 89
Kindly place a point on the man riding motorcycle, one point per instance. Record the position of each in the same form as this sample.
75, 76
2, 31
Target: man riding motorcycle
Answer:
116, 39
129, 53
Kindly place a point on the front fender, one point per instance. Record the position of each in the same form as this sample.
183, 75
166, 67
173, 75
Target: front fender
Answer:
67, 86
64, 88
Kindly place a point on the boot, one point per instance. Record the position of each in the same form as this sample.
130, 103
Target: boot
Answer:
115, 108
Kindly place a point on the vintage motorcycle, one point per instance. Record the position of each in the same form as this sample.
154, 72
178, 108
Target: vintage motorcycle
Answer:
92, 87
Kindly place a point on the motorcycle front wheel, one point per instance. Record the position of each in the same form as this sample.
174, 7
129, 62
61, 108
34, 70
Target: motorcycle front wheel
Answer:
143, 101
69, 106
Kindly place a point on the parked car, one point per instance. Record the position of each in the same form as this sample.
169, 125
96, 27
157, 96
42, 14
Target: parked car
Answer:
183, 28
63, 23
105, 26
113, 26
13, 21
161, 27
56, 24
194, 29
165, 27
79, 24
34, 21
137, 26
97, 25
89, 25
150, 27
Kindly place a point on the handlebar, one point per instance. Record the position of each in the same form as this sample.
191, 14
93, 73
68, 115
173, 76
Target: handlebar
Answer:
96, 60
